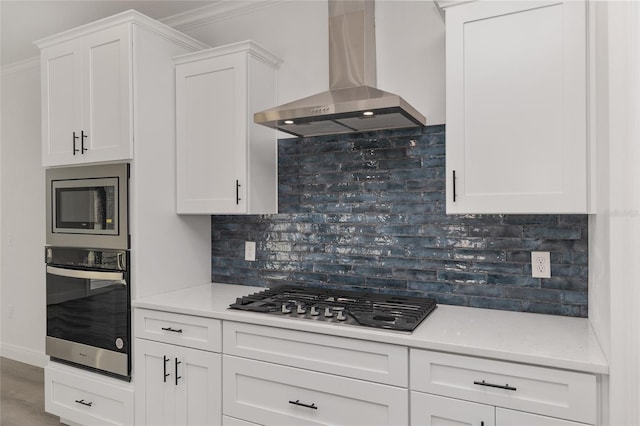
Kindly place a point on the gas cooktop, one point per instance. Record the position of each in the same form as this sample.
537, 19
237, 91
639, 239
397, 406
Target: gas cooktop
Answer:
403, 313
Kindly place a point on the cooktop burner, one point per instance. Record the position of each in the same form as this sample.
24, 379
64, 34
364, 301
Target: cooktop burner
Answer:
403, 313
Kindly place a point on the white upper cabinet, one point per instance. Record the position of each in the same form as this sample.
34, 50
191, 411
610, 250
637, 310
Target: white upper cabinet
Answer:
516, 107
86, 98
226, 163
94, 82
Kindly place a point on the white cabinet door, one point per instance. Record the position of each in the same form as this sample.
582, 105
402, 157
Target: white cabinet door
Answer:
432, 410
225, 163
176, 385
520, 418
106, 72
61, 67
516, 107
86, 98
212, 147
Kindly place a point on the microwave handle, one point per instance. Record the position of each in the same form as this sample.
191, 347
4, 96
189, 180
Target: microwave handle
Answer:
89, 275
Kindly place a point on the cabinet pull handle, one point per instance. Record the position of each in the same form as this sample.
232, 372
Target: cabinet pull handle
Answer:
176, 368
74, 143
82, 138
173, 330
491, 385
301, 404
82, 401
165, 359
454, 186
238, 192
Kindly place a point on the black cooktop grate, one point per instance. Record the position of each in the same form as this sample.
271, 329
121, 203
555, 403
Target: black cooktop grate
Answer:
393, 312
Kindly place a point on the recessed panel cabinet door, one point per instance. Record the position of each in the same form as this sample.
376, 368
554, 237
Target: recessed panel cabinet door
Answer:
176, 385
61, 102
211, 117
106, 122
516, 107
155, 395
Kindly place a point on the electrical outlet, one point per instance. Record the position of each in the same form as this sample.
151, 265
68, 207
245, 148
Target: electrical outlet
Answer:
540, 264
250, 251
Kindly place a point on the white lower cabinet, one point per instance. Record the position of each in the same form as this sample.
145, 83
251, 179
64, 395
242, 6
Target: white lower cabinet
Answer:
232, 421
467, 385
519, 418
271, 394
86, 398
204, 371
433, 410
176, 385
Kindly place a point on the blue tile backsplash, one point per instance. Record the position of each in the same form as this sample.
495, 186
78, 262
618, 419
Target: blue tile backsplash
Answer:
367, 211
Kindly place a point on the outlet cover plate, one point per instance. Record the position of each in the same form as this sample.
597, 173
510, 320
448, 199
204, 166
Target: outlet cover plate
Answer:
250, 251
540, 264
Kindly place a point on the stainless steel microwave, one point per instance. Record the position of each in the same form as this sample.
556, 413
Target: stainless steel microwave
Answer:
87, 206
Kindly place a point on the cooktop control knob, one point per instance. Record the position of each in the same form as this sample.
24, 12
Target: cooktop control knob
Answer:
301, 309
327, 312
342, 316
314, 311
286, 309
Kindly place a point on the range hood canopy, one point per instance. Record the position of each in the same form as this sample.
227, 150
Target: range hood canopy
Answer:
352, 103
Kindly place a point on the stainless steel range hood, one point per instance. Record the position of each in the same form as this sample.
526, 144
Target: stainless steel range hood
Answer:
353, 103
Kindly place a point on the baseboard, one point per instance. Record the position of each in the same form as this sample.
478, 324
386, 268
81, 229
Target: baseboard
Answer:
21, 354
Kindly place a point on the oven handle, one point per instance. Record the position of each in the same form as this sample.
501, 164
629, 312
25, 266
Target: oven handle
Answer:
89, 275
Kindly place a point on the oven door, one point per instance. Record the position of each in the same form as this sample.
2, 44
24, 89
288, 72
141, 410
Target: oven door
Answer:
88, 321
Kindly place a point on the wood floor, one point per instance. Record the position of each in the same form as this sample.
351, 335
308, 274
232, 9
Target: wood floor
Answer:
22, 395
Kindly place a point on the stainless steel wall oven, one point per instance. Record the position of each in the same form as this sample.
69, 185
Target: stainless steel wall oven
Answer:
89, 308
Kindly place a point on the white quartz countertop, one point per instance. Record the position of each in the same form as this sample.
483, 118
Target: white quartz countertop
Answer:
546, 340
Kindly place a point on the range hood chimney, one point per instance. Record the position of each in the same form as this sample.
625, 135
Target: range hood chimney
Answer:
353, 103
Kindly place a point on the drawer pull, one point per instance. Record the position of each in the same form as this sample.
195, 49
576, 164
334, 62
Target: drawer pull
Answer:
173, 330
491, 385
82, 401
301, 404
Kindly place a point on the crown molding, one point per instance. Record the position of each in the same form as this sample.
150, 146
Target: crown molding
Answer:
221, 10
20, 66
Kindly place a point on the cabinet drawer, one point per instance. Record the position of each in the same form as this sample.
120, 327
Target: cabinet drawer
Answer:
87, 398
184, 330
271, 394
557, 393
232, 421
360, 359
510, 417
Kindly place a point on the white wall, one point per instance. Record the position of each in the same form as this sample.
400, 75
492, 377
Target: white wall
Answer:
22, 276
